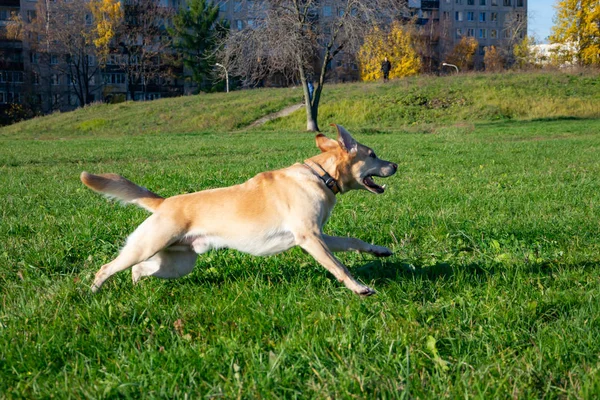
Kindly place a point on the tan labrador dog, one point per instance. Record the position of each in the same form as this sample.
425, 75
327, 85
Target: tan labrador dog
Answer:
268, 214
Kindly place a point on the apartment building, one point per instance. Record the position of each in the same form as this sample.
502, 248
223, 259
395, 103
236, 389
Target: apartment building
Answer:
42, 80
491, 22
12, 68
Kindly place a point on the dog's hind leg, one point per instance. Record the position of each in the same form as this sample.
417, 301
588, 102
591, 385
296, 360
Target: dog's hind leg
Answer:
153, 235
166, 264
336, 243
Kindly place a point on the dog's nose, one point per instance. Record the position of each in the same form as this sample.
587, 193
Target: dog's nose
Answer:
395, 166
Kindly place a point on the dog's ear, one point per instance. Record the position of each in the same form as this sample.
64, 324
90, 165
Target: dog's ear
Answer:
325, 144
346, 140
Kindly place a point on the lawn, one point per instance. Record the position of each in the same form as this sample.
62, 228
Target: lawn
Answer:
494, 218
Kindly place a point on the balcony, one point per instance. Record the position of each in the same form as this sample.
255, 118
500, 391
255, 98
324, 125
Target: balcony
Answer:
10, 3
430, 5
10, 44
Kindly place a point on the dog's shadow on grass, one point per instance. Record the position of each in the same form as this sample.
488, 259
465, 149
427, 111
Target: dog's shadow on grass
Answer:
383, 272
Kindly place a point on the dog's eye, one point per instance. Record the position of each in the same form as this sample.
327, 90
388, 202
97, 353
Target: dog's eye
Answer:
372, 155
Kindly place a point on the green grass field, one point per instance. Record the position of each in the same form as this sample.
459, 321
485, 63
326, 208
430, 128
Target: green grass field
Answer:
494, 217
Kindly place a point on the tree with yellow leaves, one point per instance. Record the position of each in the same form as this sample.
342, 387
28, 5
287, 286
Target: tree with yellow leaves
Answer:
492, 59
396, 45
577, 30
107, 14
463, 53
14, 27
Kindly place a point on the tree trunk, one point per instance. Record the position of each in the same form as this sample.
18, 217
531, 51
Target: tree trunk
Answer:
311, 116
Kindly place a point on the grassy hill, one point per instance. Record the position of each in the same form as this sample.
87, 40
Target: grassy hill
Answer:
494, 218
401, 104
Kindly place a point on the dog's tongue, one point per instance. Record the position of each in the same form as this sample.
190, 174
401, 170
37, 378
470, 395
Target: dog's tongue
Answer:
372, 185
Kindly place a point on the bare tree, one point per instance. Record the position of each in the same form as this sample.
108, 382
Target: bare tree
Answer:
67, 32
144, 50
513, 32
292, 37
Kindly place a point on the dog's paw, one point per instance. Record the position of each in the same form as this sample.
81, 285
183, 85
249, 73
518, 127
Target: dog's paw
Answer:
380, 251
366, 292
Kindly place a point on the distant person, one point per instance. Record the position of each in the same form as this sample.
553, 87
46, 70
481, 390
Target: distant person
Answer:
386, 66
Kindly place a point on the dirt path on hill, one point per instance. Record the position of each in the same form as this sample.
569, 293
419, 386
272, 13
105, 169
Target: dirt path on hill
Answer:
279, 114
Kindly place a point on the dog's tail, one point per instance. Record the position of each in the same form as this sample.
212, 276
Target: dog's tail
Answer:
116, 186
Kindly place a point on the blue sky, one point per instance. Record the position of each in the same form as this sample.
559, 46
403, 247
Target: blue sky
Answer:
540, 15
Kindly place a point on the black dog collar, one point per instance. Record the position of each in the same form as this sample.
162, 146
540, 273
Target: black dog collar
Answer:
325, 177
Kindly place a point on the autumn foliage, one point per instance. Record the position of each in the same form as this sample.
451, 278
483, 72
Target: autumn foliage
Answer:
577, 29
108, 14
463, 53
492, 59
396, 45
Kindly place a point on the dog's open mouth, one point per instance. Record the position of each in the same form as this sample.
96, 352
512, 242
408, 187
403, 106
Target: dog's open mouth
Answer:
372, 186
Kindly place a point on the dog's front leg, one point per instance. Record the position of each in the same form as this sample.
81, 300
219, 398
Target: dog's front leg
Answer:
316, 247
336, 243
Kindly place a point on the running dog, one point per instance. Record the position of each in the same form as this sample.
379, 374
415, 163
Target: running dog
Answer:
267, 214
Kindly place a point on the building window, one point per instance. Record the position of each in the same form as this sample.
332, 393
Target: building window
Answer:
446, 15
2, 98
237, 6
34, 57
458, 16
114, 79
239, 24
482, 2
520, 3
481, 50
459, 2
12, 97
458, 33
92, 80
494, 17
54, 79
55, 99
470, 16
35, 78
470, 2
251, 23
481, 17
327, 11
494, 2
18, 77
113, 59
31, 14
506, 34
223, 6
88, 19
341, 12
482, 33
493, 34
53, 59
471, 32
4, 15
507, 3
